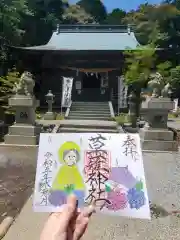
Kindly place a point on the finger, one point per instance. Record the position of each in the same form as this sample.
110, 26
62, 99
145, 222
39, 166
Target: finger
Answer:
88, 211
68, 211
80, 229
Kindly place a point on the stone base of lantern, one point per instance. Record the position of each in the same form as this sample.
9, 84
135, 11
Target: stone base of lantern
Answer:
158, 140
21, 140
23, 135
24, 131
49, 116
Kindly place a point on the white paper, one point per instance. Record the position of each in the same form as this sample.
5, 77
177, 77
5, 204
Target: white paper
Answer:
107, 168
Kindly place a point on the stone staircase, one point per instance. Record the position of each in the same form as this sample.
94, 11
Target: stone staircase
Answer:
85, 126
90, 111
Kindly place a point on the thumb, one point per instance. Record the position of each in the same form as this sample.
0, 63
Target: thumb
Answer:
68, 211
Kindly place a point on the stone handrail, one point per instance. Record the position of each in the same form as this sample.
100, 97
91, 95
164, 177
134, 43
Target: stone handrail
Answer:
68, 110
111, 109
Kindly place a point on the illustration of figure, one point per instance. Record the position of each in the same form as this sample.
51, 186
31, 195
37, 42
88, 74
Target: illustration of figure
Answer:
68, 179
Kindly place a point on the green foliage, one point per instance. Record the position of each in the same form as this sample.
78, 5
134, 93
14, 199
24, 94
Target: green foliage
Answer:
122, 118
95, 8
115, 17
175, 77
138, 65
164, 69
59, 117
75, 14
7, 83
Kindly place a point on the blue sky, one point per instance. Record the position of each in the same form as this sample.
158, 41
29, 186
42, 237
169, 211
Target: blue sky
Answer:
124, 4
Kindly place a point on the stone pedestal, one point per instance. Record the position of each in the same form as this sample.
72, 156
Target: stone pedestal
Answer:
24, 131
155, 135
49, 116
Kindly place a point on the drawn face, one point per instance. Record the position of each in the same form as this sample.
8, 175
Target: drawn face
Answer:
70, 158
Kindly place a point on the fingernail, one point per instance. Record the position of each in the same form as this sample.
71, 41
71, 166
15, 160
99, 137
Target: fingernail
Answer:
71, 198
92, 208
93, 203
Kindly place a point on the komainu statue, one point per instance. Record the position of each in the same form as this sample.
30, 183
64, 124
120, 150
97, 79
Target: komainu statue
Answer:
156, 84
26, 85
166, 90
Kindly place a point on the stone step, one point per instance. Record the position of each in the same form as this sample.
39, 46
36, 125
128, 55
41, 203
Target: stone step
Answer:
82, 108
76, 130
100, 124
90, 107
90, 111
89, 118
92, 114
90, 103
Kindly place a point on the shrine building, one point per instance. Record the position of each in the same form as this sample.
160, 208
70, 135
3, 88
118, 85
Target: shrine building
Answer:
91, 55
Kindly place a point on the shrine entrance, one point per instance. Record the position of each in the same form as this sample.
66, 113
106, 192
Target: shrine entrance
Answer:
91, 89
91, 81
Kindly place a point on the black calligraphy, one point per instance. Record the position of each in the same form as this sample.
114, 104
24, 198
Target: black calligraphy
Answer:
49, 139
97, 170
97, 142
45, 181
130, 147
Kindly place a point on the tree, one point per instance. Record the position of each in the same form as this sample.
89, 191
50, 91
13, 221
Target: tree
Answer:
164, 68
10, 30
155, 23
175, 77
7, 84
174, 81
143, 21
115, 17
138, 67
95, 8
75, 14
39, 26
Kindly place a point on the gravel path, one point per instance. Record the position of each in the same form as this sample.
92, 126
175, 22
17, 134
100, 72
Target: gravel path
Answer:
16, 183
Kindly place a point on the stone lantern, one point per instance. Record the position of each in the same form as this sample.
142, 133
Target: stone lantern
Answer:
49, 115
156, 135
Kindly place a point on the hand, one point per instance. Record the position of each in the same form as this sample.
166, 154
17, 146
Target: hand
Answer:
69, 224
